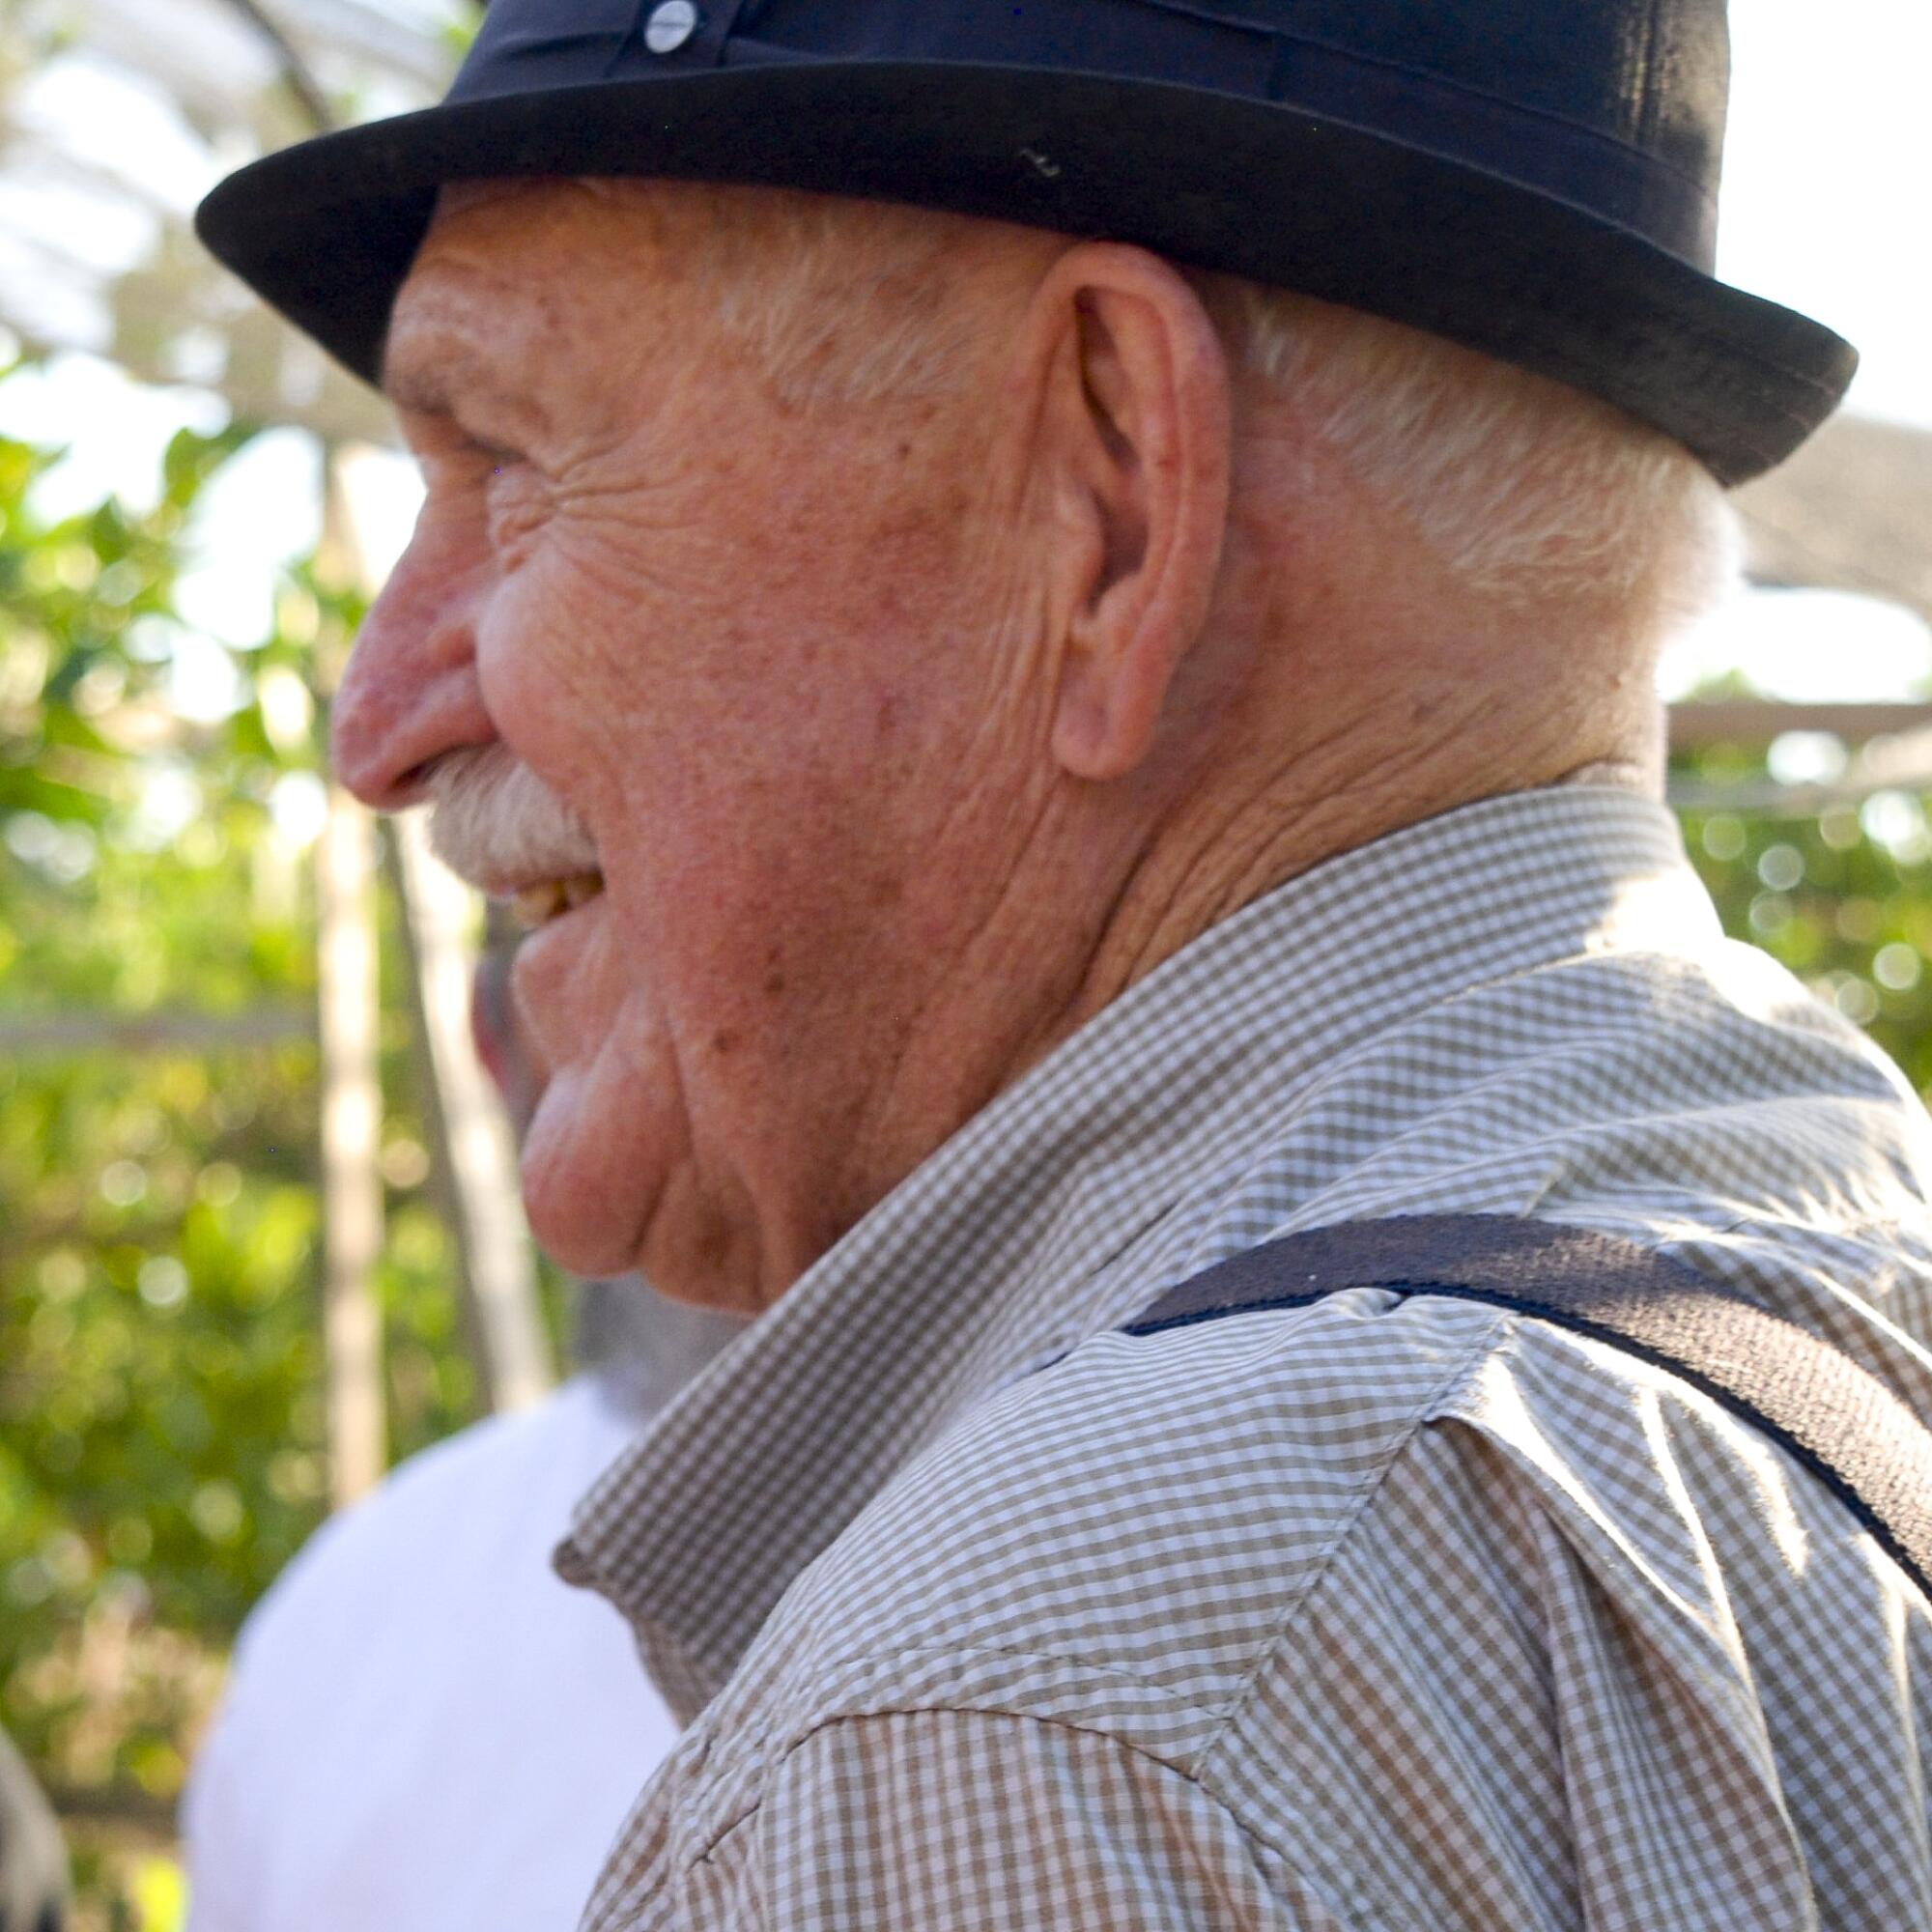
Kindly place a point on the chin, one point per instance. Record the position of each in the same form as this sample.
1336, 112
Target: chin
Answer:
697, 1255
573, 1240
603, 1200
586, 1218
715, 1294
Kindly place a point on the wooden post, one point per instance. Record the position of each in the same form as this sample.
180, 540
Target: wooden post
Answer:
348, 1019
1850, 510
471, 1135
349, 1026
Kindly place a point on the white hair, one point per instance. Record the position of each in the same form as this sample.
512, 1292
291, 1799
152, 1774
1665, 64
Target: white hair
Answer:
840, 303
1526, 490
1523, 486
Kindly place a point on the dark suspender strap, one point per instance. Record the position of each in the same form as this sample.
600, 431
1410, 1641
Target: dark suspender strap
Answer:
1836, 1418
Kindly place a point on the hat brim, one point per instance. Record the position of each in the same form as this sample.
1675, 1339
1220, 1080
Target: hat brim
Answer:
325, 231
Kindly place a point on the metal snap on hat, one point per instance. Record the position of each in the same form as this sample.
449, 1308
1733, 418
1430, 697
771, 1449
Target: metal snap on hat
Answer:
670, 26
1534, 178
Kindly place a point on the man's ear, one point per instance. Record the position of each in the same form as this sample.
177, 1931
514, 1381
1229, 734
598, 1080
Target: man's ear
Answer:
1134, 436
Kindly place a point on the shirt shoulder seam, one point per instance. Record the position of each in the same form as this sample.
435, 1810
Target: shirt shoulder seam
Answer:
1363, 1892
1454, 1379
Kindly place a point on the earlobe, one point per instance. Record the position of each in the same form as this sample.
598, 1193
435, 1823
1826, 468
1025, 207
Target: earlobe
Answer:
1139, 435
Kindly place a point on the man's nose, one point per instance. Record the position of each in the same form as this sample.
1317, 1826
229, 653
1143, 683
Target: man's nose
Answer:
411, 691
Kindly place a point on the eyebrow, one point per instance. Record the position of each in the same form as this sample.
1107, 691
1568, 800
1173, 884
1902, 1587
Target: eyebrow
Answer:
440, 374
417, 386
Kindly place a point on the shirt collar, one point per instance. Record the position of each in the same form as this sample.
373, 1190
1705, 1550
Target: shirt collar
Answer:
1003, 1248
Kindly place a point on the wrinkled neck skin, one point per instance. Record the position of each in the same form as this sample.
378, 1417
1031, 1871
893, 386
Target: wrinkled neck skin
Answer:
1343, 688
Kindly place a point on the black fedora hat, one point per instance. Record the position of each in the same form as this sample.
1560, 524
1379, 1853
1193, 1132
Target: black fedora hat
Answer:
1533, 178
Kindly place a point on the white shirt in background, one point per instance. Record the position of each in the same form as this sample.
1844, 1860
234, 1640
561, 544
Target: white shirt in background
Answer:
426, 1730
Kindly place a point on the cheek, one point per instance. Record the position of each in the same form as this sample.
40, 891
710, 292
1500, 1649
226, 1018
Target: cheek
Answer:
778, 662
544, 645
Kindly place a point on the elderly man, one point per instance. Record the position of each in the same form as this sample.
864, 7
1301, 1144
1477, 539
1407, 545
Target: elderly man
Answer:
1052, 609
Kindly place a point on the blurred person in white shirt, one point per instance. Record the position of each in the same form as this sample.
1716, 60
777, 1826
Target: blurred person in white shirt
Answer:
425, 1728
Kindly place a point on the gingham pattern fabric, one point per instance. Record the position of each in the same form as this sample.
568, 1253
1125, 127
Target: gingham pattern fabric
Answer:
1414, 1616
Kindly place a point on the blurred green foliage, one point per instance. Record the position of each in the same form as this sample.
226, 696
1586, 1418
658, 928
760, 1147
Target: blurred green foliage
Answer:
161, 1417
1843, 897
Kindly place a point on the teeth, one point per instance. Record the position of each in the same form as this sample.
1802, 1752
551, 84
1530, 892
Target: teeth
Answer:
537, 905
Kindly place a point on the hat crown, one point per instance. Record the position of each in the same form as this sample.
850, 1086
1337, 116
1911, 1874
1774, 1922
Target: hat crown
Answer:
1654, 74
1617, 104
1651, 73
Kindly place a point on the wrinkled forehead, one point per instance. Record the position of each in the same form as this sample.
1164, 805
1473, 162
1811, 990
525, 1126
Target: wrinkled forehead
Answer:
613, 291
524, 285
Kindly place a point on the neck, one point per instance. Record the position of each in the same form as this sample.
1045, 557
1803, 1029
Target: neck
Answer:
1297, 783
1277, 760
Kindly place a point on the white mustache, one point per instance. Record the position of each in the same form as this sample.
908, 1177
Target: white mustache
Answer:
496, 823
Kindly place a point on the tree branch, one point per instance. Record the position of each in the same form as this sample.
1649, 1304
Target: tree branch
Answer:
296, 70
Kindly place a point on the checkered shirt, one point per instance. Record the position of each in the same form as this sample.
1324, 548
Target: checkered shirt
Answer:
1412, 1615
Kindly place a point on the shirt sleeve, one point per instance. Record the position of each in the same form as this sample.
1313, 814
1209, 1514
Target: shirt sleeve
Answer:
971, 1821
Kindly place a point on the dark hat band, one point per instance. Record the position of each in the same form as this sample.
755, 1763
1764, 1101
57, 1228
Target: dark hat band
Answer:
520, 49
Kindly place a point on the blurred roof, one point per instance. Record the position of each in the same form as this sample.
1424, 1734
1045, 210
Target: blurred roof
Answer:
1850, 511
117, 115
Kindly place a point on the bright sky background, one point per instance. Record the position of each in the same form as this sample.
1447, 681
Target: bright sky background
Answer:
1825, 208
1827, 179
